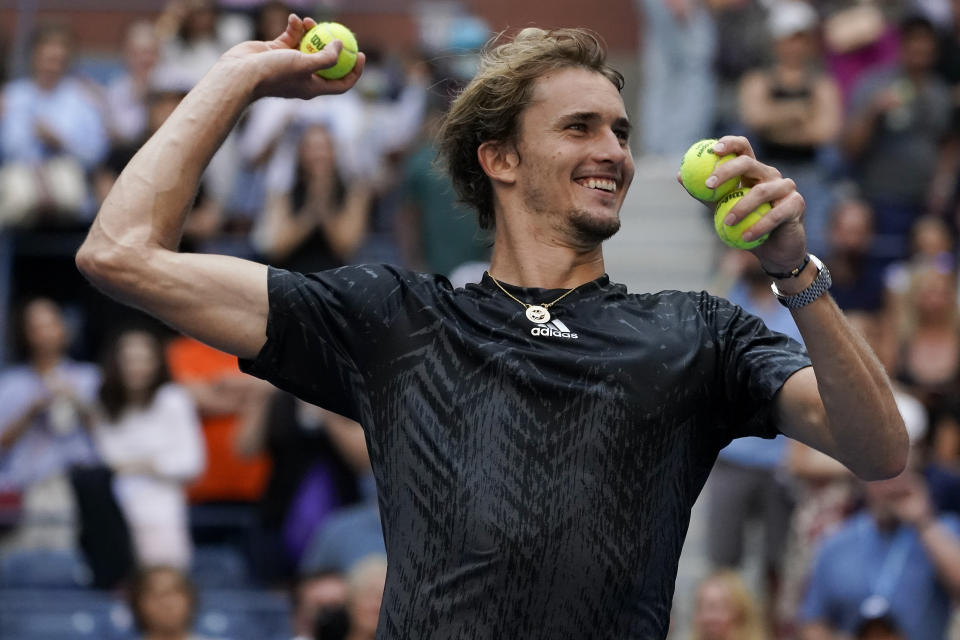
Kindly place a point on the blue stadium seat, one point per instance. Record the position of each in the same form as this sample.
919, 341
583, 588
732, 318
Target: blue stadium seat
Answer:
42, 568
244, 615
44, 614
62, 614
219, 567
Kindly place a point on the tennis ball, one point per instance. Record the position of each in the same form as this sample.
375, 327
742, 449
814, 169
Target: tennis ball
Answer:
324, 33
697, 165
733, 234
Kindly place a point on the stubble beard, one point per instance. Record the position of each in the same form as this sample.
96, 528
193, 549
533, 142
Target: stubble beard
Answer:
590, 229
582, 228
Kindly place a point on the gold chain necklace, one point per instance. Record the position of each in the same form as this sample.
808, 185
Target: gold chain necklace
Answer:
536, 313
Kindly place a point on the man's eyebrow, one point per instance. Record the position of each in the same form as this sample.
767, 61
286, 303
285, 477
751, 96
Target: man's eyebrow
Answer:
621, 125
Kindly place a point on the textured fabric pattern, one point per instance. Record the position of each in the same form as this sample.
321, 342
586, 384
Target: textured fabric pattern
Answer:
530, 485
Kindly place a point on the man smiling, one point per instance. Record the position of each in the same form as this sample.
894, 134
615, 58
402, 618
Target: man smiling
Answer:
538, 438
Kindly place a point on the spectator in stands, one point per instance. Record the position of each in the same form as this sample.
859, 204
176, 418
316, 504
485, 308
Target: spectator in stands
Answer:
365, 583
898, 117
439, 233
859, 38
322, 220
163, 603
269, 19
944, 442
351, 533
725, 609
193, 36
897, 557
942, 469
45, 409
222, 395
945, 190
793, 111
858, 280
150, 436
316, 598
931, 244
316, 457
51, 135
928, 352
126, 96
743, 44
679, 45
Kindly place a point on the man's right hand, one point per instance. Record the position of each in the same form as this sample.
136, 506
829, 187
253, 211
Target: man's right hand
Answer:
278, 68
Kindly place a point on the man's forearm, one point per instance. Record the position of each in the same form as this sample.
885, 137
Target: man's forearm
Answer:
863, 420
149, 203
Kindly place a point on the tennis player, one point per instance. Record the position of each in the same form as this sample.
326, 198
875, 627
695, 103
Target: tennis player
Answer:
538, 438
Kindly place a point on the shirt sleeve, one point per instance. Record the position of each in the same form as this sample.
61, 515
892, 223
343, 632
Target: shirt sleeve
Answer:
754, 362
323, 329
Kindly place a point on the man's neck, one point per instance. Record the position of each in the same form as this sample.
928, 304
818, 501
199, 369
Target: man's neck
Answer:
536, 257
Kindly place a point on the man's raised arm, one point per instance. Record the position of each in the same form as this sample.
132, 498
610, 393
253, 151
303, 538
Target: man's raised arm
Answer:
843, 405
131, 250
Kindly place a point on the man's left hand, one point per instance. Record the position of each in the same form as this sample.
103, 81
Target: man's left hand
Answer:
787, 244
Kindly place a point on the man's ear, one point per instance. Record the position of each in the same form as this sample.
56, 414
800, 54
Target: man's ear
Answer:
499, 160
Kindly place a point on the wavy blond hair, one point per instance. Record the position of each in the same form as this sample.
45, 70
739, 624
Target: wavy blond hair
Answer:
489, 108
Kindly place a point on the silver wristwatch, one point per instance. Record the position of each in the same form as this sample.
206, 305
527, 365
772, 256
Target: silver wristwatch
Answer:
814, 290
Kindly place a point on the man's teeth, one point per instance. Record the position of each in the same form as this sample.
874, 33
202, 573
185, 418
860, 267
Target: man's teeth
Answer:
600, 183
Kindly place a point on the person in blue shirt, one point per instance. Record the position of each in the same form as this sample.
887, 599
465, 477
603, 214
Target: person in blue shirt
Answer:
896, 556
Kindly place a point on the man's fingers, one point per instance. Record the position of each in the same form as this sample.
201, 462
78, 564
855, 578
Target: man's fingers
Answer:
325, 58
317, 86
346, 82
747, 168
290, 38
771, 192
733, 144
787, 209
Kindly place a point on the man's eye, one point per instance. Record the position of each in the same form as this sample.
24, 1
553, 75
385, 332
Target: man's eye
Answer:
577, 126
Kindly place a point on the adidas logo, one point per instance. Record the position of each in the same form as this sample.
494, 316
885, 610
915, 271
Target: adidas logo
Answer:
554, 329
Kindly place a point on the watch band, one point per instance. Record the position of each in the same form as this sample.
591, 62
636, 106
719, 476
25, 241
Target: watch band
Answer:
793, 273
814, 290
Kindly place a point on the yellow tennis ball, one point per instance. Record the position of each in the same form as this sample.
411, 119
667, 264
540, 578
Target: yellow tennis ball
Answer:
697, 165
322, 35
733, 234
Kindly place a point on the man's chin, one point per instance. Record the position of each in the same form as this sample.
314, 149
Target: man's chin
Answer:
591, 228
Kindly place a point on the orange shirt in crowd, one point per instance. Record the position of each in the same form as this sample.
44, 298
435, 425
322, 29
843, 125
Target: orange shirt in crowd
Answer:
228, 477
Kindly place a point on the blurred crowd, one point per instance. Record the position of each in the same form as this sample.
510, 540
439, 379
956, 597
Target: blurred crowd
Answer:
142, 464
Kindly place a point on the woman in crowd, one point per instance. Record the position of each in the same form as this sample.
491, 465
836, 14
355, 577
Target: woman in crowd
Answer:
45, 410
322, 220
928, 352
726, 610
793, 111
150, 436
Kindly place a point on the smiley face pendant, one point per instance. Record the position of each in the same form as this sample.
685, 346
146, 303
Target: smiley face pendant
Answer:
537, 314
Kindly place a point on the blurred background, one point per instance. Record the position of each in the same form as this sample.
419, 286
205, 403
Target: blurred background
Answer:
148, 489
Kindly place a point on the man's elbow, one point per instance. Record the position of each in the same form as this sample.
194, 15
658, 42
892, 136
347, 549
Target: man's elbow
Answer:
106, 264
889, 459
